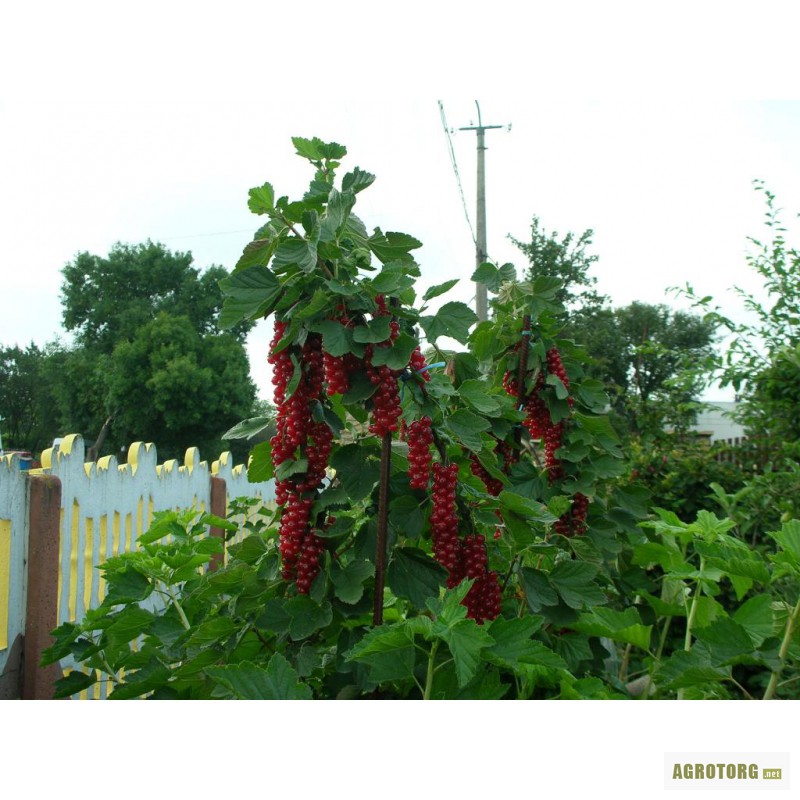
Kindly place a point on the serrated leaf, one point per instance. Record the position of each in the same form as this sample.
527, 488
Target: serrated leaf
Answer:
298, 252
397, 355
538, 590
382, 639
376, 330
259, 466
261, 199
248, 292
357, 470
452, 319
574, 581
74, 683
336, 339
126, 586
474, 392
357, 180
247, 681
439, 289
621, 626
513, 645
725, 639
247, 428
392, 246
694, 668
414, 575
466, 428
466, 639
349, 582
757, 618
306, 616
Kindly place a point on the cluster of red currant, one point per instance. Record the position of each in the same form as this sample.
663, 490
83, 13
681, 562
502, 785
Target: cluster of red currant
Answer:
444, 522
420, 438
462, 559
573, 521
484, 598
537, 420
493, 485
418, 364
300, 547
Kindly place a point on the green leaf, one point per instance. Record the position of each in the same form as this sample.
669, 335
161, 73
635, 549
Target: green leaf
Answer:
74, 683
361, 388
357, 470
247, 681
211, 631
406, 515
392, 246
306, 616
247, 428
524, 507
357, 180
259, 468
466, 639
298, 252
452, 319
439, 289
475, 393
415, 576
397, 355
514, 646
319, 302
261, 199
128, 625
381, 639
683, 670
349, 582
756, 617
574, 581
336, 339
726, 639
376, 330
621, 626
127, 585
248, 293
539, 591
393, 278
466, 428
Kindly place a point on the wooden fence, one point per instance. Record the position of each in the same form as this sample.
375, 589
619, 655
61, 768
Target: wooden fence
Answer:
58, 523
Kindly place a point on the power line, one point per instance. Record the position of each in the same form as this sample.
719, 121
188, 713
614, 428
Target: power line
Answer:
455, 171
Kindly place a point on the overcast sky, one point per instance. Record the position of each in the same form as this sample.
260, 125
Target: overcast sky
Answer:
104, 140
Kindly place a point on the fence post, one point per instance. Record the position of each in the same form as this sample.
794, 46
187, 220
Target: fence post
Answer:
42, 602
219, 508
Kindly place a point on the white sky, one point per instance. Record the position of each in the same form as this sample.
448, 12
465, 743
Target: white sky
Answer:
115, 128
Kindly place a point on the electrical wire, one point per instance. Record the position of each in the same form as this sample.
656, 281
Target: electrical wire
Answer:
455, 171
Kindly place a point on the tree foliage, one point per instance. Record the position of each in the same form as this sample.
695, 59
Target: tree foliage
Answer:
148, 354
566, 259
26, 399
106, 300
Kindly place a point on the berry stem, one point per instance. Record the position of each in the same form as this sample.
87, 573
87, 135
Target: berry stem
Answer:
521, 370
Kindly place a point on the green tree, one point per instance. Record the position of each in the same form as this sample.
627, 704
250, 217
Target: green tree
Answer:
107, 300
148, 360
651, 358
762, 358
173, 386
565, 258
26, 399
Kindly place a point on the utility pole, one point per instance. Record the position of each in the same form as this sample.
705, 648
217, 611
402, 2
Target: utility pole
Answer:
481, 302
